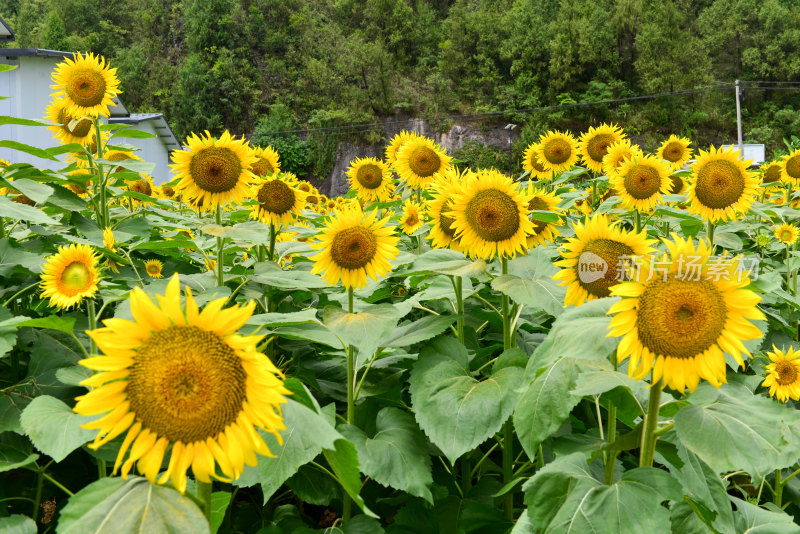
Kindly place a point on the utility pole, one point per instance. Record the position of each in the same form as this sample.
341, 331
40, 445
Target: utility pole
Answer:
510, 128
739, 119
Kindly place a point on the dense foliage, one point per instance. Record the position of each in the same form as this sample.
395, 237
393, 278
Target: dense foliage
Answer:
216, 64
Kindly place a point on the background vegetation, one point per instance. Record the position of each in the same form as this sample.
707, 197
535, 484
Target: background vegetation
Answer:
257, 66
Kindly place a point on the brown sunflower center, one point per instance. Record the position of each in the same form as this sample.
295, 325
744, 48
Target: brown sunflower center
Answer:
676, 185
168, 191
305, 187
141, 186
369, 176
772, 174
353, 248
720, 183
86, 87
557, 151
424, 162
534, 162
680, 318
493, 215
600, 266
215, 169
412, 217
276, 196
312, 199
81, 128
186, 384
538, 204
76, 276
23, 199
793, 167
262, 167
642, 181
787, 373
445, 222
673, 152
597, 146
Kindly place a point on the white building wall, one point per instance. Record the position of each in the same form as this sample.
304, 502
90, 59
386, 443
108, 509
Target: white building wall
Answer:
151, 150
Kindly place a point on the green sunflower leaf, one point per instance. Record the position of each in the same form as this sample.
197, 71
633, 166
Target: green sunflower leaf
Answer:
16, 211
54, 428
753, 519
530, 282
366, 330
456, 410
15, 451
17, 524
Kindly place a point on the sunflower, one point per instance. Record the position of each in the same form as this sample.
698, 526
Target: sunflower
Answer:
783, 374
267, 161
678, 319
617, 153
722, 187
540, 200
641, 181
153, 268
120, 155
787, 234
559, 151
531, 162
677, 185
278, 202
420, 161
371, 179
411, 221
108, 238
179, 376
771, 172
790, 172
597, 259
395, 144
353, 246
87, 83
214, 170
593, 145
70, 275
306, 187
675, 150
443, 233
142, 186
490, 216
81, 131
165, 192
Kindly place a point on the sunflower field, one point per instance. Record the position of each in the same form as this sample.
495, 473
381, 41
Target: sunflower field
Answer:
607, 343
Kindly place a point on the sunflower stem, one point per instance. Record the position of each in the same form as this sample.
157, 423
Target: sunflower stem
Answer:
37, 498
611, 437
778, 491
508, 428
203, 493
637, 218
650, 423
101, 177
272, 237
351, 408
466, 467
788, 271
710, 234
220, 239
90, 312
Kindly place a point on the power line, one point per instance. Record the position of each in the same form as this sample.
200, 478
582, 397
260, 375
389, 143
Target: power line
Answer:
476, 116
768, 81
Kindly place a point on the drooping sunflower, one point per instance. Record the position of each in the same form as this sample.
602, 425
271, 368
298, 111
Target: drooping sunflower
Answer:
543, 232
420, 161
70, 275
411, 220
88, 84
278, 202
640, 182
153, 268
721, 187
559, 151
81, 131
354, 245
617, 153
267, 161
395, 144
675, 150
787, 234
783, 374
593, 145
179, 376
443, 233
677, 319
771, 172
790, 172
677, 184
371, 179
216, 171
531, 162
490, 216
598, 258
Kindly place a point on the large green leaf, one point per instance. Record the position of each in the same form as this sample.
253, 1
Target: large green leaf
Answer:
16, 211
579, 332
54, 428
15, 451
219, 506
344, 463
419, 330
396, 455
117, 506
530, 282
35, 191
17, 524
565, 496
367, 330
271, 274
11, 257
732, 429
456, 410
545, 404
28, 149
445, 261
752, 519
54, 322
